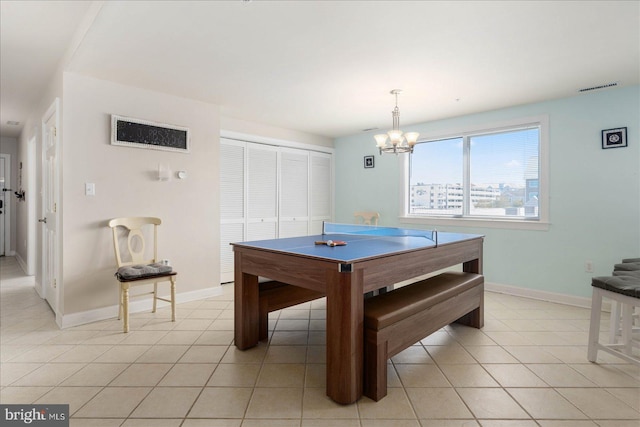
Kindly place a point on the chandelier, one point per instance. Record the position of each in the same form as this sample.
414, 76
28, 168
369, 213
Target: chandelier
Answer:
395, 141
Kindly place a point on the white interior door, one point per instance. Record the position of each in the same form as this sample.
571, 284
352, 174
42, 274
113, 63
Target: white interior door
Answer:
50, 191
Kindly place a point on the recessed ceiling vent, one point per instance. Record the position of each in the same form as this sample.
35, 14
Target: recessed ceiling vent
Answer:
604, 86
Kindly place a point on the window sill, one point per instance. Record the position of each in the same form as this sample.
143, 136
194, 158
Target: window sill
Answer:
476, 222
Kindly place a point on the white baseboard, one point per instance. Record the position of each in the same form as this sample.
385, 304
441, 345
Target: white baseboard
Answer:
584, 302
21, 263
77, 319
110, 312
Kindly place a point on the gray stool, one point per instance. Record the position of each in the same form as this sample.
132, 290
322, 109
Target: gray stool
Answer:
623, 289
628, 267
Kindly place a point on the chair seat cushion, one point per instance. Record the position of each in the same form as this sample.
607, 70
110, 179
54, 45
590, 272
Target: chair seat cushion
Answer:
628, 285
136, 272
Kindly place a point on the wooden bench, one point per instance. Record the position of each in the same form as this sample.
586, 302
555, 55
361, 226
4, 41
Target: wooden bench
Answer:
274, 296
398, 319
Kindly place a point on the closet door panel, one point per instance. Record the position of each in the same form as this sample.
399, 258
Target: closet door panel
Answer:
232, 203
262, 168
229, 233
262, 192
294, 193
232, 180
321, 185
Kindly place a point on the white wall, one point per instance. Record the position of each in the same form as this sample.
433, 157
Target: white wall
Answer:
594, 193
127, 185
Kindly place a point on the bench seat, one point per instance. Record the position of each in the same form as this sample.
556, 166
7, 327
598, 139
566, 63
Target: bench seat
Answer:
398, 319
273, 295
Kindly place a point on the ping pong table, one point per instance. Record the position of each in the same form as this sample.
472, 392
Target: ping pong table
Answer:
372, 258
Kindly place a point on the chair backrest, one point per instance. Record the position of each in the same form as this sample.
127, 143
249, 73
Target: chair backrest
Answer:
135, 232
369, 218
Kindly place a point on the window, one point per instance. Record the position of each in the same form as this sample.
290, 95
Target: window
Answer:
480, 174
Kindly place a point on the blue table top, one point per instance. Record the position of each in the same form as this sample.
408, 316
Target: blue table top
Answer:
358, 247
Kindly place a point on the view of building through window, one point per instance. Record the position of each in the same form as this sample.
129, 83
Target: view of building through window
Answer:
478, 175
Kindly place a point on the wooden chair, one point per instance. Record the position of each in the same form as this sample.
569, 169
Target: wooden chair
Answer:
131, 250
368, 218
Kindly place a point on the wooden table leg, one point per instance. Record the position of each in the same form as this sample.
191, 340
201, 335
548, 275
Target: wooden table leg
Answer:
345, 318
245, 307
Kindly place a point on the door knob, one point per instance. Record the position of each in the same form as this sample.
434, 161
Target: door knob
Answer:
43, 220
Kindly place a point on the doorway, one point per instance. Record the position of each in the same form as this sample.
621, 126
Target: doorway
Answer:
31, 206
5, 200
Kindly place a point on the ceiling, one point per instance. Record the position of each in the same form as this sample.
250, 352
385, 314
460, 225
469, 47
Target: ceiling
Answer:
323, 67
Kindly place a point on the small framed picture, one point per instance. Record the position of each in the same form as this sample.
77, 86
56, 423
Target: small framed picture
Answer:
614, 138
368, 162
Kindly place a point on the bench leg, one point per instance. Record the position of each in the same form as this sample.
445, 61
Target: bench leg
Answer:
375, 370
475, 318
263, 319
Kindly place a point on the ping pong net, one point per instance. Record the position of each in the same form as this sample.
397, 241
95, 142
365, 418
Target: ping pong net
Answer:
374, 230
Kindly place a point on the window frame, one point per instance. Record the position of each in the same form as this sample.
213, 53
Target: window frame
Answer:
541, 223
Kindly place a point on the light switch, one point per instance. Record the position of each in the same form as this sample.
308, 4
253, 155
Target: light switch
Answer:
89, 189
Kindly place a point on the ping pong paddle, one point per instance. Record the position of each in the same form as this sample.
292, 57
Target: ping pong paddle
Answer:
331, 243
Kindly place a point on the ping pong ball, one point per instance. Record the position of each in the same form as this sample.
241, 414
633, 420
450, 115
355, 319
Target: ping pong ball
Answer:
329, 242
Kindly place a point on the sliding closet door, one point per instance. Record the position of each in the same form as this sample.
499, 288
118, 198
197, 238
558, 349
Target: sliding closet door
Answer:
294, 193
268, 191
262, 192
232, 203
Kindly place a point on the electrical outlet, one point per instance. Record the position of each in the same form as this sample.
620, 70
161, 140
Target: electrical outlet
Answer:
588, 266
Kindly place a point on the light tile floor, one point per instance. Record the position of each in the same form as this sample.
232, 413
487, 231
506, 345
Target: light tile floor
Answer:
526, 367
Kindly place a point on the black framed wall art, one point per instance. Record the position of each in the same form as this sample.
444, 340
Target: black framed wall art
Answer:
614, 138
130, 132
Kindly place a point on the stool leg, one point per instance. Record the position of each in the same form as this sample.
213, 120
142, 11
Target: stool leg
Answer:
173, 300
594, 326
614, 323
627, 311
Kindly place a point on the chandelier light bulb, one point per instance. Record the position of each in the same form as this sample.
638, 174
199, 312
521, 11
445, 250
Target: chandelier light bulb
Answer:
381, 139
